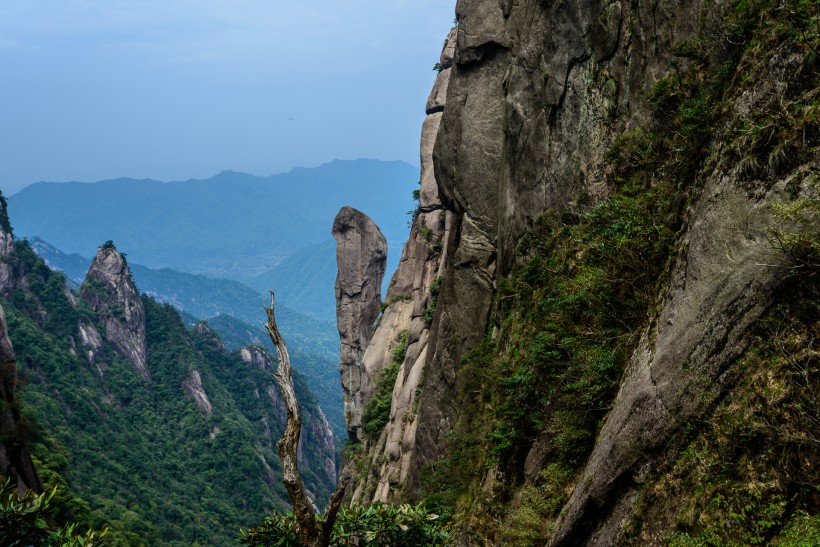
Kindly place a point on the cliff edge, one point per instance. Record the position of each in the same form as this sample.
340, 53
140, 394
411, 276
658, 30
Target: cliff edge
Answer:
628, 197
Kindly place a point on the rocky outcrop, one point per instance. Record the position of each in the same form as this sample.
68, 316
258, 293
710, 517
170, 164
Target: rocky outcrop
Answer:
257, 357
674, 373
411, 310
15, 461
361, 255
193, 387
318, 439
523, 123
92, 343
203, 329
111, 292
531, 110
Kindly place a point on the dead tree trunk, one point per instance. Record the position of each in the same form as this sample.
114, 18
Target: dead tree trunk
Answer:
309, 533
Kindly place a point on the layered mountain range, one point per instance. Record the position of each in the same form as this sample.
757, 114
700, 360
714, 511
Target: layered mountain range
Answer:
231, 309
603, 328
266, 232
147, 426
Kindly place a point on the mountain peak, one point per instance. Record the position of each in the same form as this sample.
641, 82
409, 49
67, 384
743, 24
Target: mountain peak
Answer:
110, 290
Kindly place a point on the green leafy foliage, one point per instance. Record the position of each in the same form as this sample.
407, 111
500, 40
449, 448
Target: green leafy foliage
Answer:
571, 313
374, 525
245, 384
575, 306
233, 312
802, 530
435, 288
139, 456
24, 521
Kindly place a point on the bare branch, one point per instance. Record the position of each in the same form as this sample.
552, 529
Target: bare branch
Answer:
333, 506
308, 534
288, 444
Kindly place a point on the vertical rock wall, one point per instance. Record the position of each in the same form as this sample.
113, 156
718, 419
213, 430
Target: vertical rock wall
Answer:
536, 96
8, 277
361, 255
411, 308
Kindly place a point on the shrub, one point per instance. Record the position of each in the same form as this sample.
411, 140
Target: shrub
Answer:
375, 525
24, 521
377, 410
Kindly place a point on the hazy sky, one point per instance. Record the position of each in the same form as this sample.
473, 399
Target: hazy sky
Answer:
178, 89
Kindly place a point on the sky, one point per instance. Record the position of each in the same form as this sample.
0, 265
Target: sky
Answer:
180, 89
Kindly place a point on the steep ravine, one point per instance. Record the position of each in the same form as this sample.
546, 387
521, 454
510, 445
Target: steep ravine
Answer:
143, 425
626, 196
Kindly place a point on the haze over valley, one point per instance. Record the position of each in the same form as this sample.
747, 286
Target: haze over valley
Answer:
572, 300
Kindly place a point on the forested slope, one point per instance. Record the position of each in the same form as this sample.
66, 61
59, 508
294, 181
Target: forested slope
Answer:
146, 426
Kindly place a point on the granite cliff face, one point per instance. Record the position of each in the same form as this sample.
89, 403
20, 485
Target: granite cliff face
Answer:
404, 328
361, 255
111, 293
573, 135
6, 248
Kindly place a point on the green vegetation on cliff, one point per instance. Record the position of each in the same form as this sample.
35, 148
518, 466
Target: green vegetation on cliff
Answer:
136, 455
377, 525
572, 314
233, 310
24, 521
750, 471
377, 410
588, 280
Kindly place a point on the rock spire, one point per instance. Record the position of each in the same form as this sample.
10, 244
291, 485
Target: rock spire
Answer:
111, 292
361, 255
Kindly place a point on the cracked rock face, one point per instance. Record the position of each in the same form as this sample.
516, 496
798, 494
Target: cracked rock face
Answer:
520, 120
361, 255
532, 98
193, 387
7, 275
111, 292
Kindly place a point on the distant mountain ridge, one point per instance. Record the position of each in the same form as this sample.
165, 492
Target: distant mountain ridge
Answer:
307, 278
233, 225
126, 403
235, 312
